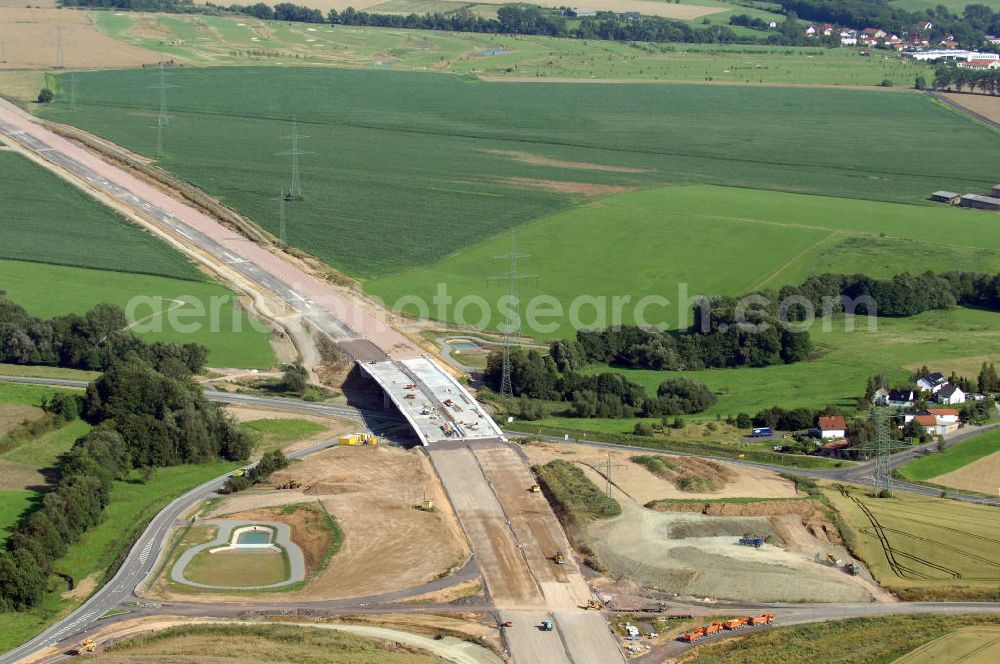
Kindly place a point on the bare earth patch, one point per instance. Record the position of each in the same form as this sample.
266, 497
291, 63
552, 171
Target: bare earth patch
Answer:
982, 476
538, 160
562, 187
374, 494
29, 38
87, 585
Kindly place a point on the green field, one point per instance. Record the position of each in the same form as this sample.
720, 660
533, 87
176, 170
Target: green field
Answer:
923, 548
955, 457
854, 641
952, 340
208, 317
48, 220
13, 503
208, 40
45, 451
133, 503
970, 645
238, 568
410, 168
714, 240
954, 6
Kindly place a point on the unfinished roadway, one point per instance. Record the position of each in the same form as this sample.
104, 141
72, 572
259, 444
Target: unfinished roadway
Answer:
507, 535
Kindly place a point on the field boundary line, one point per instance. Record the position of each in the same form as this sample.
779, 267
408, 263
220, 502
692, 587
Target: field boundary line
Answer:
811, 248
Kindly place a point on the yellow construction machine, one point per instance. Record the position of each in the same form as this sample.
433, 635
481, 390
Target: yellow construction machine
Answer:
359, 439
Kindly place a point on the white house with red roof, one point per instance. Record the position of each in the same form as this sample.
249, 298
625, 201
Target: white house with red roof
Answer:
834, 426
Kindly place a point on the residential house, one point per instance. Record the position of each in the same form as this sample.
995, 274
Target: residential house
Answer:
874, 34
827, 29
993, 40
832, 427
944, 415
950, 394
911, 415
932, 382
902, 398
811, 31
848, 38
881, 397
772, 24
929, 422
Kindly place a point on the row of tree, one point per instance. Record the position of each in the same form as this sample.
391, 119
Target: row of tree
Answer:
607, 394
986, 81
92, 341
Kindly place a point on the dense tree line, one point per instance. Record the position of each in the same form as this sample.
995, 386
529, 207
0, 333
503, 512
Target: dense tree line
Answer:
92, 341
607, 394
900, 296
975, 21
986, 81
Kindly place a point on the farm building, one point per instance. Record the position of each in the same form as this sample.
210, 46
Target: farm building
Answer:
834, 448
996, 191
980, 202
832, 427
949, 197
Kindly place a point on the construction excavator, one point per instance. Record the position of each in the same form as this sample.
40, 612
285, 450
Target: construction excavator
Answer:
85, 647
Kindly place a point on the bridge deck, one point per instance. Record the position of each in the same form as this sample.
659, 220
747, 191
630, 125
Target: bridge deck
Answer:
436, 405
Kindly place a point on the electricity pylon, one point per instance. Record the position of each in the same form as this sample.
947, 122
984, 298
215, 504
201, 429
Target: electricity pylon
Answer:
512, 323
162, 118
295, 186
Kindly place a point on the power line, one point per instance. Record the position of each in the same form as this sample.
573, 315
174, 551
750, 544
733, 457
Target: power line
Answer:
60, 62
607, 475
72, 91
295, 186
512, 323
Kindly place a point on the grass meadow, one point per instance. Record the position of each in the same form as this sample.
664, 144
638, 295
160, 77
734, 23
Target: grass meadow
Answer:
923, 548
955, 457
714, 240
209, 40
48, 220
53, 290
407, 169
